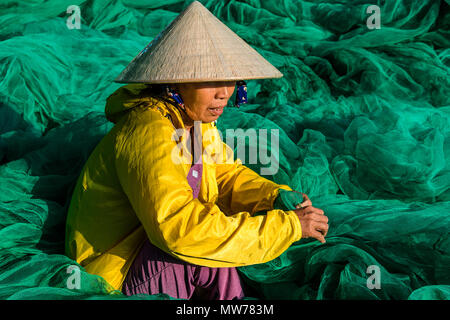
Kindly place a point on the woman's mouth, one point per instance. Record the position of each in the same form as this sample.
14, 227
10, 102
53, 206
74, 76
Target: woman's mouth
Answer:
216, 111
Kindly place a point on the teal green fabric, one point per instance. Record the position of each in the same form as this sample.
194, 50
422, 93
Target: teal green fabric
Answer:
362, 118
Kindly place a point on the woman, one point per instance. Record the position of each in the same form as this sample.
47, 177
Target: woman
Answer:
147, 220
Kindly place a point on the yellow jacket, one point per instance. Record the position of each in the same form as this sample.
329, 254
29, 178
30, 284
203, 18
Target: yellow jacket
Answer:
131, 188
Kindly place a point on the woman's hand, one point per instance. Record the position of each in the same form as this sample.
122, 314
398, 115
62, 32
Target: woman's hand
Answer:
306, 202
313, 220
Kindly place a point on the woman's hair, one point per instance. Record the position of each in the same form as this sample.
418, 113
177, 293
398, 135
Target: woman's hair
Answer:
156, 90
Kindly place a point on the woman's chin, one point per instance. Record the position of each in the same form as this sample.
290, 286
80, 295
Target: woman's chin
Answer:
210, 118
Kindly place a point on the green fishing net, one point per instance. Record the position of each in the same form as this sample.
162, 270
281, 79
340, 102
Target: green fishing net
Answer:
361, 121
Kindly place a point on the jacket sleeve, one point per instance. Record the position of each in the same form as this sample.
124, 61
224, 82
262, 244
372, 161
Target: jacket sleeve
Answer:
242, 189
199, 233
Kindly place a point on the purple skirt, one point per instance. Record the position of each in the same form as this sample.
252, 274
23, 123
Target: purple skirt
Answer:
154, 271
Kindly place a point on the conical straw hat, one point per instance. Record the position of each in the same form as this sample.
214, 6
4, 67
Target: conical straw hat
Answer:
197, 47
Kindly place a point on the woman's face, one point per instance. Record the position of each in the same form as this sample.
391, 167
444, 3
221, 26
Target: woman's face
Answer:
205, 101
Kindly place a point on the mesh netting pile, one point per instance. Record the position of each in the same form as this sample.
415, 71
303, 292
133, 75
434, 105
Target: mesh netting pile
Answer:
363, 117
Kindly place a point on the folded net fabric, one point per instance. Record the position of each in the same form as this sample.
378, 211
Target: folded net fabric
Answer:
362, 118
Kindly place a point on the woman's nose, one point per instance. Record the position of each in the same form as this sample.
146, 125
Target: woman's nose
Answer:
224, 91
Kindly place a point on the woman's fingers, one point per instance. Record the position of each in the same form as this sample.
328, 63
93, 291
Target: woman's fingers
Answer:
319, 236
322, 228
320, 217
319, 211
314, 224
314, 221
306, 201
304, 204
309, 210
